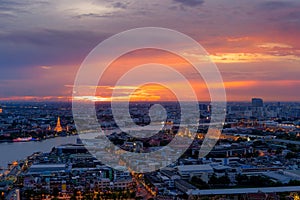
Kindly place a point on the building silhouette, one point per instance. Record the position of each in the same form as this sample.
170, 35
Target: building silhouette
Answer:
257, 108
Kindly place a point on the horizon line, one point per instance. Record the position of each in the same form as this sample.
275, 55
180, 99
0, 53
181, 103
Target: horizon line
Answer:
141, 101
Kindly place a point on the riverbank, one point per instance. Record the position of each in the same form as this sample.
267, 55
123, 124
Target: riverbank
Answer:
32, 139
14, 151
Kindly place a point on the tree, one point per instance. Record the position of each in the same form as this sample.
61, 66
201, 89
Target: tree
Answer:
224, 180
290, 155
294, 183
278, 151
199, 183
213, 179
241, 179
55, 192
269, 150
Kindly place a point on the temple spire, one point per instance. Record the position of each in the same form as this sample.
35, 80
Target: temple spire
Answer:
58, 127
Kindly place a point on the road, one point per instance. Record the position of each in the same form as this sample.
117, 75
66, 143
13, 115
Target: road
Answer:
287, 141
141, 190
273, 140
244, 190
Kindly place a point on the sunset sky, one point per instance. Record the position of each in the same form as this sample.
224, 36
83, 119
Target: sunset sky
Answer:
255, 44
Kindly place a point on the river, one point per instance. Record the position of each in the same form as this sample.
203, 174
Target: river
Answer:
19, 150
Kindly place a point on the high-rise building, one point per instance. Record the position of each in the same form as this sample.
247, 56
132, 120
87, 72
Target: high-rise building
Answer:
257, 102
257, 108
58, 127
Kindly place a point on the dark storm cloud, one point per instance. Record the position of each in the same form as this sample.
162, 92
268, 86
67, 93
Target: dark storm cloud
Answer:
46, 47
284, 16
93, 15
273, 5
190, 2
117, 5
19, 6
11, 6
51, 37
4, 15
292, 18
120, 5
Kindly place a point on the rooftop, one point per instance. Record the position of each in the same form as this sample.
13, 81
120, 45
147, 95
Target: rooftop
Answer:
192, 168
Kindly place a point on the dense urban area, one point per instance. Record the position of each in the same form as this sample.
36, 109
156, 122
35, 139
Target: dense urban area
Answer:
256, 157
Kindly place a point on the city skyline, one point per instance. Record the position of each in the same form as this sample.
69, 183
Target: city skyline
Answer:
254, 44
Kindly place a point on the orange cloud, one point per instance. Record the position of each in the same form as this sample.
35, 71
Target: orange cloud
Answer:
251, 57
249, 49
46, 67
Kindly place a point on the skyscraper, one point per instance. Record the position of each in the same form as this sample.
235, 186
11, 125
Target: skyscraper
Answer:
257, 108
